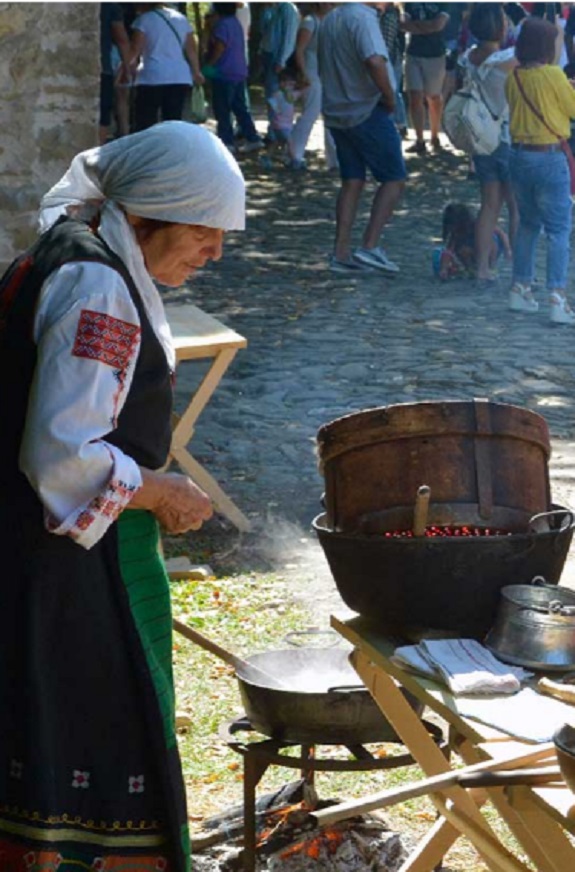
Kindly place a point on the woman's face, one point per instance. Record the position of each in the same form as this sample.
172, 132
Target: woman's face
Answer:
173, 252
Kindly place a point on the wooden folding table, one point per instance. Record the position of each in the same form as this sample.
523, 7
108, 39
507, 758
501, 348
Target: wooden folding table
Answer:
197, 336
540, 818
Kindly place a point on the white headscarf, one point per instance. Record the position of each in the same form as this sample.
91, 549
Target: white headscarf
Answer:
172, 171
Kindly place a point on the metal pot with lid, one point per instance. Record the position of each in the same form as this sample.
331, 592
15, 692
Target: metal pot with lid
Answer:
535, 626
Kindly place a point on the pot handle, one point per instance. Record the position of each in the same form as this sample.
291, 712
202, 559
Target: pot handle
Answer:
542, 523
346, 688
298, 638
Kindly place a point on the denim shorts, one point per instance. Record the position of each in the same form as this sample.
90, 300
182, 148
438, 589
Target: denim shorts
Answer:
493, 167
374, 144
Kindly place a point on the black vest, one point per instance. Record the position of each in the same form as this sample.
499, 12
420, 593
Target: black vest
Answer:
143, 429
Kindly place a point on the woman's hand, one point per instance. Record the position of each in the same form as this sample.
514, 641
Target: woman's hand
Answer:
178, 503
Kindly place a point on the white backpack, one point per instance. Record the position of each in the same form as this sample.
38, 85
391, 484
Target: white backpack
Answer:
469, 122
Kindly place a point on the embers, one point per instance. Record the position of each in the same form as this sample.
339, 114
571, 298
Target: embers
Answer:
358, 845
434, 532
288, 840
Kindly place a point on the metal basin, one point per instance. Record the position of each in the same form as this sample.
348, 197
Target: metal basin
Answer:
535, 627
323, 703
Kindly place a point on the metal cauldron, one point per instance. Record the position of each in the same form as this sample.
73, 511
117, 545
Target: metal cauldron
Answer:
405, 586
535, 627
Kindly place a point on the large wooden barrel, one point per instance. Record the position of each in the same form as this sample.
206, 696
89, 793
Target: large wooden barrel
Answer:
486, 464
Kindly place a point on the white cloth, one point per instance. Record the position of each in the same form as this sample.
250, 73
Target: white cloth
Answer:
465, 665
527, 715
173, 171
163, 61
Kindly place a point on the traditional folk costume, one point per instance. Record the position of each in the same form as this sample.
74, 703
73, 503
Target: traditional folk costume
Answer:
90, 776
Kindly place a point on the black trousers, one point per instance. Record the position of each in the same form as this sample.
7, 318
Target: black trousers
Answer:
159, 103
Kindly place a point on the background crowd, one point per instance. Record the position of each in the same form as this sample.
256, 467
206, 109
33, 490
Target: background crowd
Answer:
380, 75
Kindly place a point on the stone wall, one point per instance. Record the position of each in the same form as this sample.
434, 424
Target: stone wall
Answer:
49, 75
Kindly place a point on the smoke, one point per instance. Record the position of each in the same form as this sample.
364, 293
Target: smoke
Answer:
278, 545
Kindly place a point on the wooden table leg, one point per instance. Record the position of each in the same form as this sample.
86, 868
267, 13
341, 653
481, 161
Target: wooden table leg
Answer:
415, 737
185, 426
542, 839
184, 430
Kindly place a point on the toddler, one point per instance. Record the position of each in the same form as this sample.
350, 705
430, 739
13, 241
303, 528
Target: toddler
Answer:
456, 258
282, 104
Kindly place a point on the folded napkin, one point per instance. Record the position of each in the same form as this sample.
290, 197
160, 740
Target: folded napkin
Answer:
465, 665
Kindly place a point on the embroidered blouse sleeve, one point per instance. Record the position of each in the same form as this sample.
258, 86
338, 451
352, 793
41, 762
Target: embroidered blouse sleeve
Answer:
87, 333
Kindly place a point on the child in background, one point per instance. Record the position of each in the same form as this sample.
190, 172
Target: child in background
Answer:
456, 258
282, 105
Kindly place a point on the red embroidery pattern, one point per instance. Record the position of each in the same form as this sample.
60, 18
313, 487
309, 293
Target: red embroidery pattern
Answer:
109, 504
104, 338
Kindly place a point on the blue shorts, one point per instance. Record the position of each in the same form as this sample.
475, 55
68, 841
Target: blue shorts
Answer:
493, 167
374, 144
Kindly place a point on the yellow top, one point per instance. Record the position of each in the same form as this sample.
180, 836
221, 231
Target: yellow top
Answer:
548, 89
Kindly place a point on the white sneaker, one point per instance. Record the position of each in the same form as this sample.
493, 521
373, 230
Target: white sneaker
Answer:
561, 311
375, 257
521, 299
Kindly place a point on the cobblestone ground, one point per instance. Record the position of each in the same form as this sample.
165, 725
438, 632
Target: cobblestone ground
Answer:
322, 345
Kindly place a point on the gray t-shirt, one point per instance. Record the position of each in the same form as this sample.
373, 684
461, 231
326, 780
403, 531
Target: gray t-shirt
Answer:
347, 37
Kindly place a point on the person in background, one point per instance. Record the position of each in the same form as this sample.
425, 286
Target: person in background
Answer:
123, 78
244, 16
458, 12
280, 23
515, 13
389, 21
425, 69
488, 66
358, 105
569, 32
541, 104
87, 371
308, 76
163, 42
283, 106
227, 69
112, 34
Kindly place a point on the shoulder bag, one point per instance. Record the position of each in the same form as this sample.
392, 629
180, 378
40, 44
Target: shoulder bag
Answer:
565, 147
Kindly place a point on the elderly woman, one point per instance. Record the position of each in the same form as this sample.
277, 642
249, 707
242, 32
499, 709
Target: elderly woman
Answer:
91, 776
541, 105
